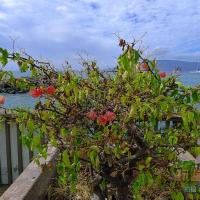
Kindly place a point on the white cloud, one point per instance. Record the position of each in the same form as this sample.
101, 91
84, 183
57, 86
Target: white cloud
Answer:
3, 16
60, 28
61, 8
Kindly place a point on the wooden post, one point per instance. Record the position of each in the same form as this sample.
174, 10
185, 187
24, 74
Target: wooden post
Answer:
3, 155
0, 173
8, 152
30, 155
156, 126
167, 124
19, 147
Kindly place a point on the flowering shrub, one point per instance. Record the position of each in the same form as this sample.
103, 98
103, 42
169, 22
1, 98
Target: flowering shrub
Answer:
104, 125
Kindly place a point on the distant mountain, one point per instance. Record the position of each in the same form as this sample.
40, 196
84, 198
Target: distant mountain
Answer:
170, 65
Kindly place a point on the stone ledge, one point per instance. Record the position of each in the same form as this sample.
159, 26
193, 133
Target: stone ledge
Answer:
33, 183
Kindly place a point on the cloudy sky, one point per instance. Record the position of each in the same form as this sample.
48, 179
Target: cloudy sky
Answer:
62, 29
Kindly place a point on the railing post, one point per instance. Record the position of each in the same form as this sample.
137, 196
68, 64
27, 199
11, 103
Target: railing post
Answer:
19, 148
167, 124
156, 126
0, 173
8, 152
30, 155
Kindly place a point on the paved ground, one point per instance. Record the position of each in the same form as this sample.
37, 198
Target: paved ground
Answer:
3, 188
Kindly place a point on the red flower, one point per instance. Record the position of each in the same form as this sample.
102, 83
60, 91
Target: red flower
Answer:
110, 116
102, 119
2, 99
91, 115
162, 74
50, 90
37, 92
145, 66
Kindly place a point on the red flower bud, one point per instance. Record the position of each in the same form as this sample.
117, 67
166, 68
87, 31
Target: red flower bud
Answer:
91, 115
2, 99
102, 120
162, 74
145, 66
50, 90
37, 92
110, 116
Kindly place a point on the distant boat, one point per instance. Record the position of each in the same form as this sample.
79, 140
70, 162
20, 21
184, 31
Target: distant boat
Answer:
197, 71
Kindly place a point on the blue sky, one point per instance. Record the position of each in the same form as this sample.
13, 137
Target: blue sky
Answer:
59, 30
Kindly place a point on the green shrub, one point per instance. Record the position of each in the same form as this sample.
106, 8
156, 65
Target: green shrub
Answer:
105, 124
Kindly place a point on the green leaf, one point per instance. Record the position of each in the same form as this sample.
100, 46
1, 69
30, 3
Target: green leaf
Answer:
94, 157
34, 72
36, 143
188, 165
141, 167
148, 160
173, 140
190, 116
3, 57
196, 151
149, 178
63, 132
191, 196
30, 126
172, 156
24, 67
177, 196
16, 56
153, 64
66, 159
195, 96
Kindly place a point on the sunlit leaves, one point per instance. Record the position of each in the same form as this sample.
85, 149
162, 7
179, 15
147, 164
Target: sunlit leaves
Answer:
177, 196
143, 180
195, 96
24, 67
173, 140
65, 158
3, 57
94, 157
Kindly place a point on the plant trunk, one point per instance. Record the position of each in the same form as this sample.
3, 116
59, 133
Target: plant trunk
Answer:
98, 193
122, 193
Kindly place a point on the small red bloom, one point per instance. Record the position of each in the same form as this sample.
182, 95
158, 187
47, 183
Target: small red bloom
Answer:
162, 74
37, 92
102, 119
145, 66
91, 115
110, 116
50, 90
2, 99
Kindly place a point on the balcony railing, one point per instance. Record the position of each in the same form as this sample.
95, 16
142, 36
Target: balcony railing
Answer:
14, 157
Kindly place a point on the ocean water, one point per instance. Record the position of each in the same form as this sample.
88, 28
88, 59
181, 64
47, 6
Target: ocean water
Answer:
25, 100
190, 79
